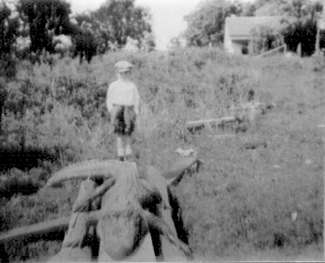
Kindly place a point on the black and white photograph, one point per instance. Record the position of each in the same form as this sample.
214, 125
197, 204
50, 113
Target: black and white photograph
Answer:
162, 130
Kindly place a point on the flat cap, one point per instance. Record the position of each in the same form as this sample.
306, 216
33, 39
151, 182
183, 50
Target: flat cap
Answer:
123, 66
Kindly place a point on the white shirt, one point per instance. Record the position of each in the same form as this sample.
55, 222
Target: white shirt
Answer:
122, 92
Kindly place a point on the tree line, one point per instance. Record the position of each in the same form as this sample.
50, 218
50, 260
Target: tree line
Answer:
205, 25
34, 29
30, 28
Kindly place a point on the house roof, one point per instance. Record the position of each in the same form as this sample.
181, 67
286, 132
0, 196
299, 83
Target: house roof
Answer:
240, 27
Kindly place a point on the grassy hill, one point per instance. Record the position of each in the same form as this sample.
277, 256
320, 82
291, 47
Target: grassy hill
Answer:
242, 202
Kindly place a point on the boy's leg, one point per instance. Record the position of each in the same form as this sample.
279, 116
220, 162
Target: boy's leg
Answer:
120, 148
127, 119
115, 114
128, 149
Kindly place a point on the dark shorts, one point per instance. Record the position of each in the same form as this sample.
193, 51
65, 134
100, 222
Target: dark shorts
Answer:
124, 122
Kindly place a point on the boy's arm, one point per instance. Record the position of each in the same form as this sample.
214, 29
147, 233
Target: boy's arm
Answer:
109, 103
136, 100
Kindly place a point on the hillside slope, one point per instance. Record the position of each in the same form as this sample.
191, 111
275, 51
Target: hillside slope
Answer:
242, 202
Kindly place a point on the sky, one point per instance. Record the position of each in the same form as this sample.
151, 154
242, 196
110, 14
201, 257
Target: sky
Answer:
168, 15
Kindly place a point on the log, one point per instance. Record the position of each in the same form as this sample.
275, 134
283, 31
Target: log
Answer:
199, 124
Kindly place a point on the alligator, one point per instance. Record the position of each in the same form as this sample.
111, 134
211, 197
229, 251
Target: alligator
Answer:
124, 208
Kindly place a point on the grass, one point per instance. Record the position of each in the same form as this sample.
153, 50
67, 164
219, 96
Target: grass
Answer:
244, 203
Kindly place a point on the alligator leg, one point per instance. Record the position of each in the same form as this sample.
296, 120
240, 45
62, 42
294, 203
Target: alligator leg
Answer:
165, 250
83, 202
176, 171
158, 224
149, 196
72, 247
78, 223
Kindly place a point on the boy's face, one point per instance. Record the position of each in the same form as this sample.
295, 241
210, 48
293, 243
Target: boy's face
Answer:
125, 74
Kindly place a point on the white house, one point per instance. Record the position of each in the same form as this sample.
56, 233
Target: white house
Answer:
237, 35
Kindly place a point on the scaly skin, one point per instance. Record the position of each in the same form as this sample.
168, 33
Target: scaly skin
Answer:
123, 224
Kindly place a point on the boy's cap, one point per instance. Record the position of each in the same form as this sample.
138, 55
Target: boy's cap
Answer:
123, 66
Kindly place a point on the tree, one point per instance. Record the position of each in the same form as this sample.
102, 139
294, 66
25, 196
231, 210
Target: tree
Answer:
118, 20
300, 18
301, 25
269, 7
90, 37
8, 34
8, 31
85, 45
43, 19
148, 42
3, 97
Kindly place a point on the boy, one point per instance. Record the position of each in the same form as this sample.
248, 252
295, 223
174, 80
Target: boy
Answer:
122, 102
